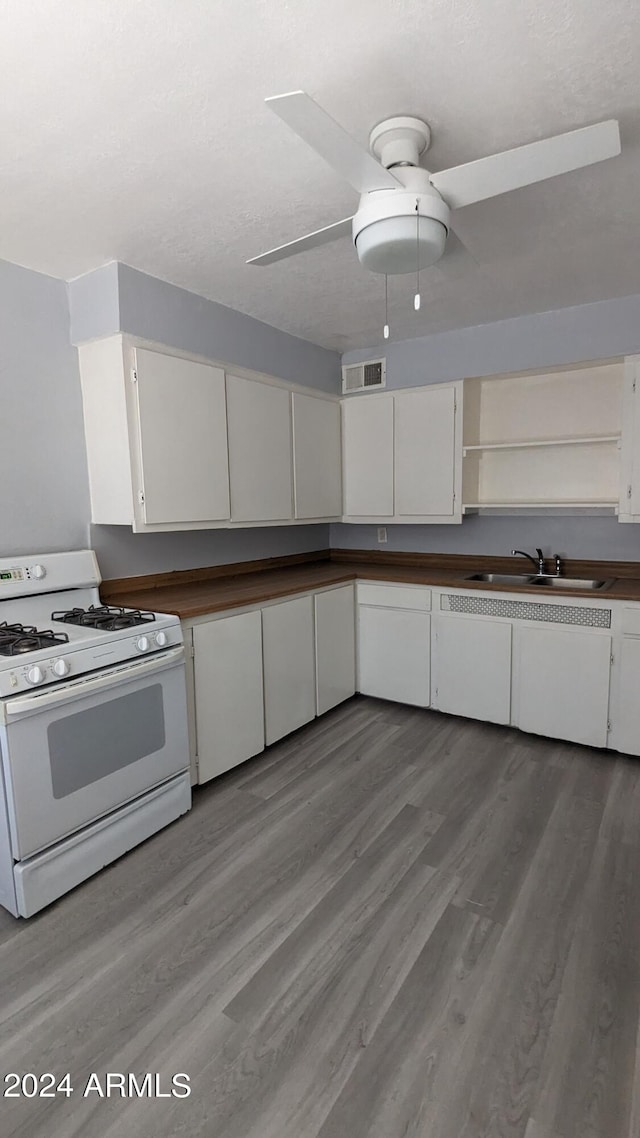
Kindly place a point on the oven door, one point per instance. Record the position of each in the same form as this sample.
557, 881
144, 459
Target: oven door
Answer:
80, 750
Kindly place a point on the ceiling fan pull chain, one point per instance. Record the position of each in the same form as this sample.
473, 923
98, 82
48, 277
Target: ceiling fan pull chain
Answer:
416, 299
386, 308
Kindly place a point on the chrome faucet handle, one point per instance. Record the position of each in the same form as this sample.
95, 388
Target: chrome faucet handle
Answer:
558, 561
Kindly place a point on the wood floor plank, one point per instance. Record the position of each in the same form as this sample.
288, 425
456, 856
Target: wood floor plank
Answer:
492, 992
534, 1130
362, 888
386, 1100
587, 1078
498, 1063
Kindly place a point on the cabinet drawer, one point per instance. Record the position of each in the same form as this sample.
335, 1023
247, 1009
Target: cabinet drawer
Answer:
394, 596
631, 621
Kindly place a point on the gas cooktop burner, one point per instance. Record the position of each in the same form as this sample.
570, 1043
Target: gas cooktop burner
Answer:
15, 639
108, 618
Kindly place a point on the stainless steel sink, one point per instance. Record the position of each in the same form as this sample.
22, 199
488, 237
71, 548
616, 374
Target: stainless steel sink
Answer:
570, 583
502, 578
544, 582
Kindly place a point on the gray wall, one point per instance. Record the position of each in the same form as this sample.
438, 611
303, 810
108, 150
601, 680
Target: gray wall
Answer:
600, 538
123, 554
118, 298
44, 500
569, 335
155, 310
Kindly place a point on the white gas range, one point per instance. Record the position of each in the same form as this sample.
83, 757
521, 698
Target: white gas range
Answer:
93, 727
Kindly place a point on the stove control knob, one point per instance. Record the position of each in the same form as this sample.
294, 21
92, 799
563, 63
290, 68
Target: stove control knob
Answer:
61, 667
35, 675
37, 572
161, 639
142, 644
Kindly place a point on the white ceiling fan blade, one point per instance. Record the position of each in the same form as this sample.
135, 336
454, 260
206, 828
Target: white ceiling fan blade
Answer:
318, 237
488, 177
350, 160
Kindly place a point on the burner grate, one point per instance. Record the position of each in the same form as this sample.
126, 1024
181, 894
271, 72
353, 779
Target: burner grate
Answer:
17, 639
108, 618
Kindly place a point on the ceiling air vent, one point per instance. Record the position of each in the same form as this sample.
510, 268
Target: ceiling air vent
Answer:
355, 377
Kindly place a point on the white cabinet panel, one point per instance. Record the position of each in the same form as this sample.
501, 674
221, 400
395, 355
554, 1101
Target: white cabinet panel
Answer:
183, 439
394, 654
626, 715
317, 460
368, 451
472, 668
228, 692
561, 683
394, 596
335, 647
425, 453
259, 424
289, 666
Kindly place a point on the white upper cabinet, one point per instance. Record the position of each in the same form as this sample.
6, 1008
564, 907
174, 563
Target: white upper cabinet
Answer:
403, 456
367, 426
260, 452
182, 438
630, 459
156, 435
317, 460
426, 456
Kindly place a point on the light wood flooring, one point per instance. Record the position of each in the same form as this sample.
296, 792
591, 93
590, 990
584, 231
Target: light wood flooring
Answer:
394, 924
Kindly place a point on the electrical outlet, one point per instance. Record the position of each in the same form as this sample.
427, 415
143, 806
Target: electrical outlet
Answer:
382, 534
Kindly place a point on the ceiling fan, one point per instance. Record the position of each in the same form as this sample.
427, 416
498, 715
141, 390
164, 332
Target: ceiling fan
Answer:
404, 214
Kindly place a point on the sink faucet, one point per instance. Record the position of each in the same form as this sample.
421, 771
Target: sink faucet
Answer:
538, 564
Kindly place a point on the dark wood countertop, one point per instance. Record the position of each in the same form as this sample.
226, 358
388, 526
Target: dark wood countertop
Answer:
200, 592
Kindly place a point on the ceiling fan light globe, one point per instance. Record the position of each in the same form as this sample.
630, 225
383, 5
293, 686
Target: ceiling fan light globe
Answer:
391, 244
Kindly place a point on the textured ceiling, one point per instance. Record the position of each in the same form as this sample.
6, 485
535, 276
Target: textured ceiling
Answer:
137, 132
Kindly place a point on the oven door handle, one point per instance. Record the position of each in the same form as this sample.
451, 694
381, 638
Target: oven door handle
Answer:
77, 689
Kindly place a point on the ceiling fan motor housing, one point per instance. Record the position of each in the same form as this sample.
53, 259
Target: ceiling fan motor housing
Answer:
391, 235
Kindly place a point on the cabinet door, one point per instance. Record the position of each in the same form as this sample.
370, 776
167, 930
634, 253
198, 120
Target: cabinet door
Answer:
335, 647
472, 668
259, 418
561, 683
183, 439
368, 455
289, 666
626, 716
228, 692
425, 454
394, 654
317, 462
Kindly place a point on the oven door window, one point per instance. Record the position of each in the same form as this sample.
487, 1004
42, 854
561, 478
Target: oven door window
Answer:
115, 734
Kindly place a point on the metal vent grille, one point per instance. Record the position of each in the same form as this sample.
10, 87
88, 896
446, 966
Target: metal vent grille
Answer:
371, 373
529, 610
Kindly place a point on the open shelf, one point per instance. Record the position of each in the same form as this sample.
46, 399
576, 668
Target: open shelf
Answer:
547, 441
580, 504
584, 440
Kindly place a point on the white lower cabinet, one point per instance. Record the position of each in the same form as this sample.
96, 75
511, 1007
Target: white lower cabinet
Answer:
289, 666
335, 647
472, 667
229, 702
561, 683
394, 654
626, 709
